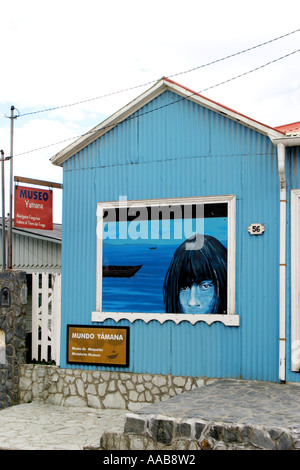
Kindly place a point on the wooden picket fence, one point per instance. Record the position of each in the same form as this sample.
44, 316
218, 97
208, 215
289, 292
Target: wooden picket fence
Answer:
46, 316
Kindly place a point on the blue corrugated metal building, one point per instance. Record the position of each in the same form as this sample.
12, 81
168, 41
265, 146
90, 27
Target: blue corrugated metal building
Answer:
177, 151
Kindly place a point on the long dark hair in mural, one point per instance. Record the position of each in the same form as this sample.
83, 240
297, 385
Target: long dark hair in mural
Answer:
196, 281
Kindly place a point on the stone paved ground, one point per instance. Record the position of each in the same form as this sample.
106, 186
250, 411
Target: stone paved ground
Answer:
259, 403
38, 426
227, 414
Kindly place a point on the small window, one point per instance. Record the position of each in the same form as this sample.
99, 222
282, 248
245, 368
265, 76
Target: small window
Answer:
168, 259
5, 297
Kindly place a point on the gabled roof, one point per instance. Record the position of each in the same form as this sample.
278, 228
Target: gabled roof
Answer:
160, 87
50, 235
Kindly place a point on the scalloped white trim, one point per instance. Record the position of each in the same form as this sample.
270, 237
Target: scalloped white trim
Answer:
228, 320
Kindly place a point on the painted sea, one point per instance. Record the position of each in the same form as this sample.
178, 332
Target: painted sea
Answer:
143, 292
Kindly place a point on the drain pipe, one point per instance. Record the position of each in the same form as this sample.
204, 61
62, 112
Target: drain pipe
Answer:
282, 263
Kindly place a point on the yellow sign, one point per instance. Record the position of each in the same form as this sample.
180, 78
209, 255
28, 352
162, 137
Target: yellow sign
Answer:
99, 345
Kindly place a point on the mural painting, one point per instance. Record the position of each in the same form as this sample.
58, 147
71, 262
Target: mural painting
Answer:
166, 259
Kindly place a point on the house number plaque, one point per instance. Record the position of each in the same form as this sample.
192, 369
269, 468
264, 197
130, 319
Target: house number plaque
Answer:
256, 229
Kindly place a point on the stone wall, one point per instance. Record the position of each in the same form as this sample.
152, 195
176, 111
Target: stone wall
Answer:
13, 300
99, 389
156, 432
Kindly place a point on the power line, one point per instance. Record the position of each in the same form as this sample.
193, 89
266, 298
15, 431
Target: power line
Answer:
168, 104
154, 81
253, 70
236, 54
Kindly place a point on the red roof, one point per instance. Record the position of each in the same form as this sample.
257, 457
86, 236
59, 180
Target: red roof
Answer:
293, 128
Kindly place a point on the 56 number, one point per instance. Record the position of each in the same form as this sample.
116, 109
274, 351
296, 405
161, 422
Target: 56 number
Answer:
256, 229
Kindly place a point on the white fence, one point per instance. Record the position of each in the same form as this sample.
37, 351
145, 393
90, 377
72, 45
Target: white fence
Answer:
46, 314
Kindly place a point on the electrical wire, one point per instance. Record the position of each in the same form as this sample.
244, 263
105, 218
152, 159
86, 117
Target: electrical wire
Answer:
154, 81
167, 104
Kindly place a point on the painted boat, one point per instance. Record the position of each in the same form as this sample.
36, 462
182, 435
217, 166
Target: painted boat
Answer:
120, 271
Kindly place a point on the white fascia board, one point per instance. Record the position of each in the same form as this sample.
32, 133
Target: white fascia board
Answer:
109, 123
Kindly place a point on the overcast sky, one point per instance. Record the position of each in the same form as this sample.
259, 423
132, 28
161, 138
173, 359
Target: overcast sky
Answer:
55, 53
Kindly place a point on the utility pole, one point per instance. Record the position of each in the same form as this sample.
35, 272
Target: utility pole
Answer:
12, 117
3, 214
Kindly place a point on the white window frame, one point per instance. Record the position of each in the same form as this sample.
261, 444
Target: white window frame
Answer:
229, 319
295, 280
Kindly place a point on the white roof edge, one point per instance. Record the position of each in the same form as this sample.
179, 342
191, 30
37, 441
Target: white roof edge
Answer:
288, 141
157, 89
109, 123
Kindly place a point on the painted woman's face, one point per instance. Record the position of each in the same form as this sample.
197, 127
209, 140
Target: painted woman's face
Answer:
198, 298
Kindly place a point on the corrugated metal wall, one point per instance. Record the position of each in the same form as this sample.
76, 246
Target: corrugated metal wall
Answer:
181, 150
32, 253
